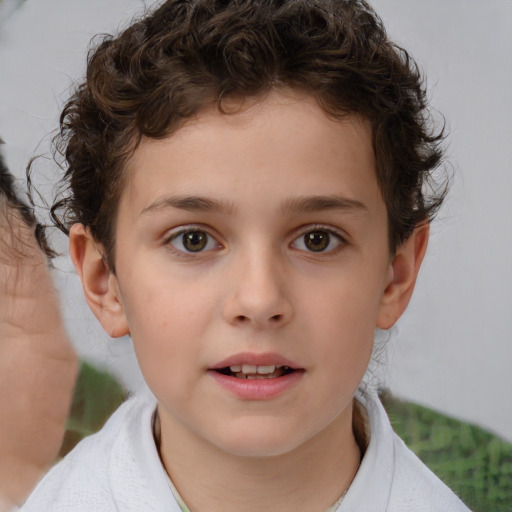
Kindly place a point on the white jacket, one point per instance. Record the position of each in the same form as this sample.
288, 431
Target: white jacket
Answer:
119, 470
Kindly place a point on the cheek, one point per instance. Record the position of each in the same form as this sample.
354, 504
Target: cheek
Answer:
346, 305
167, 320
343, 326
160, 302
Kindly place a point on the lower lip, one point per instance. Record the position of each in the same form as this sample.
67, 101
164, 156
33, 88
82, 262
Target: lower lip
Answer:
258, 389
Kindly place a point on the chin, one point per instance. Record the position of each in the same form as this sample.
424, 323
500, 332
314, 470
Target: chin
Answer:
259, 442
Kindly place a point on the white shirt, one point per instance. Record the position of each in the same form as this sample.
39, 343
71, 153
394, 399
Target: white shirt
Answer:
118, 469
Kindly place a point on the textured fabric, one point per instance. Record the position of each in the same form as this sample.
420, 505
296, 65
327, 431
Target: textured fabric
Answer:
184, 508
119, 469
391, 478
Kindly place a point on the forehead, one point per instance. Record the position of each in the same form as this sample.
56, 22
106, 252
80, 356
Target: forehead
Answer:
282, 146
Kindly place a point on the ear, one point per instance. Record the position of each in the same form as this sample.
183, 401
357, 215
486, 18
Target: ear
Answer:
100, 285
403, 272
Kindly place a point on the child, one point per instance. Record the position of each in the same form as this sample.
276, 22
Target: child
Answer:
37, 364
246, 199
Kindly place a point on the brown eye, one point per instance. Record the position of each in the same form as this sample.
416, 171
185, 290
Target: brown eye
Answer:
318, 240
193, 241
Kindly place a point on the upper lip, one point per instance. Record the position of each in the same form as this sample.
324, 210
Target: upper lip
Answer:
251, 358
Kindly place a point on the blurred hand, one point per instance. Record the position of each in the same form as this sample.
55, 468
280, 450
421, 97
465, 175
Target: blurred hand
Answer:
38, 366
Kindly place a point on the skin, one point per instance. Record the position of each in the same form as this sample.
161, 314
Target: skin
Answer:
38, 366
255, 288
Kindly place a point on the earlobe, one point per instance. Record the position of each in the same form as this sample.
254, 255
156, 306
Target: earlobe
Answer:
100, 285
402, 276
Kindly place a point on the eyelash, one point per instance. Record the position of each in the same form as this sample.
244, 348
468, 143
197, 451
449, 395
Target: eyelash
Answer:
332, 233
182, 251
175, 236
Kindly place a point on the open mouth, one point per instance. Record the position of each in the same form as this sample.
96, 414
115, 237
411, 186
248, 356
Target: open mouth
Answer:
249, 371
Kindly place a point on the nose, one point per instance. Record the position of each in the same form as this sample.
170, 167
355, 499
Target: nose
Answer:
257, 293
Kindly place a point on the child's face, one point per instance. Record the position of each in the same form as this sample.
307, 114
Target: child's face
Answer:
255, 238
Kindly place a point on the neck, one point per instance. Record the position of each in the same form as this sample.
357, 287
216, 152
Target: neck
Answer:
311, 477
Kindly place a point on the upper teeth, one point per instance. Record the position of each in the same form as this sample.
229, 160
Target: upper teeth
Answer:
249, 368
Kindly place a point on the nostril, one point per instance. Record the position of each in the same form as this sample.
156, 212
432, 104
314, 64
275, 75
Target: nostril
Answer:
269, 320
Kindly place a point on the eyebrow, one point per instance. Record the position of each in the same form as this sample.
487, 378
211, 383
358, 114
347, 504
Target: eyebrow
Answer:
309, 204
190, 203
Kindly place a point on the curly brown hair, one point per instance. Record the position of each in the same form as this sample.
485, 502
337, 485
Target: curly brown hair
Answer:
188, 55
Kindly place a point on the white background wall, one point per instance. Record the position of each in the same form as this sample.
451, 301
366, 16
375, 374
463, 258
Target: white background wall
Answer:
453, 348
